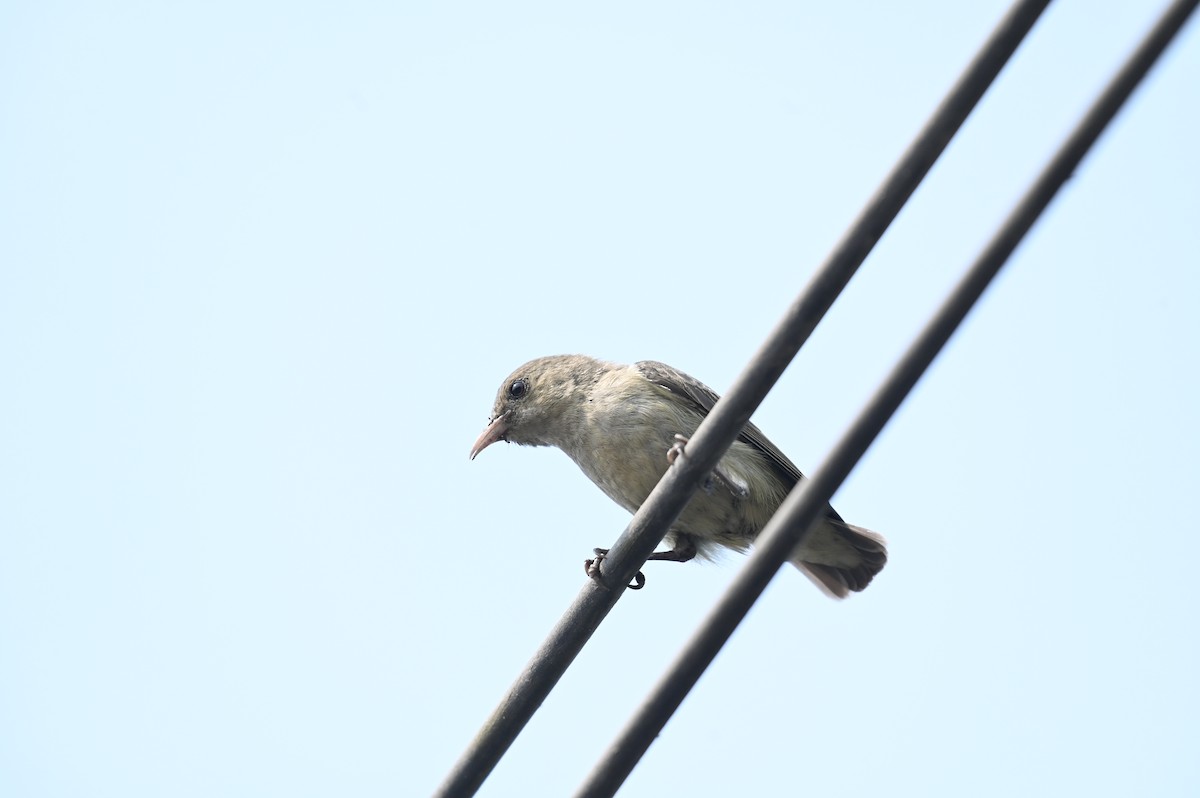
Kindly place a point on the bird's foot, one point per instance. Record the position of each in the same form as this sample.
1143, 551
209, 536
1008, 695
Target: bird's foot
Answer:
676, 450
719, 476
592, 569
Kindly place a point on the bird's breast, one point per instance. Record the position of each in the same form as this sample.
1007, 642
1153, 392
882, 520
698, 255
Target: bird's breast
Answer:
625, 464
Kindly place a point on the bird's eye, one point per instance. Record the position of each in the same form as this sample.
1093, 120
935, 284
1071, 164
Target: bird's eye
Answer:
518, 389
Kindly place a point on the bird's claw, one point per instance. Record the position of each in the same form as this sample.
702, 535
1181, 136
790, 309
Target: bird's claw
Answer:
676, 450
592, 569
719, 476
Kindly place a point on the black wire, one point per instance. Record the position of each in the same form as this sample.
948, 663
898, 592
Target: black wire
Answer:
805, 504
729, 416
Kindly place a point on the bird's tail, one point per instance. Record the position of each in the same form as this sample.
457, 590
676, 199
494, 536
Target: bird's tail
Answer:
840, 558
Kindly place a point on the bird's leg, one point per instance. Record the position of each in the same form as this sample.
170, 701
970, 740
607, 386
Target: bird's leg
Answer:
683, 551
719, 475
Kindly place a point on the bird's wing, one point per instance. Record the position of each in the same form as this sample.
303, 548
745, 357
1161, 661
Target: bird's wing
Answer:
702, 398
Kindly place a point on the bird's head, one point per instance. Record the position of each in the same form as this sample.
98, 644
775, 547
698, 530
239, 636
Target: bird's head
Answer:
542, 402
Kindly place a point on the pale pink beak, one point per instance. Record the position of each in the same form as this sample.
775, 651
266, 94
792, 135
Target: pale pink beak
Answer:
493, 432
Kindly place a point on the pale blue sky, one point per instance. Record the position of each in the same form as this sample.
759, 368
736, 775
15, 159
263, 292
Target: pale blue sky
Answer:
264, 266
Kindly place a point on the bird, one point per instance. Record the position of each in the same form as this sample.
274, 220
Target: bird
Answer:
624, 425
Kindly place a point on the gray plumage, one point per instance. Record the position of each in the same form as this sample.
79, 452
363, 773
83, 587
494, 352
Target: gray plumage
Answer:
619, 422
